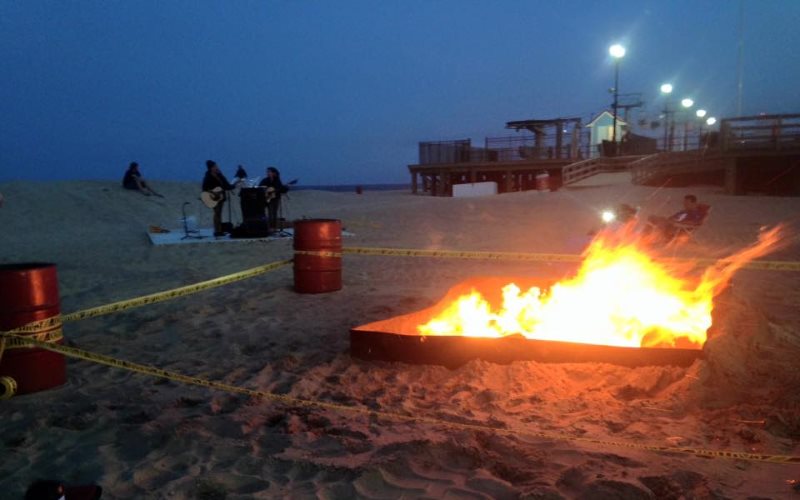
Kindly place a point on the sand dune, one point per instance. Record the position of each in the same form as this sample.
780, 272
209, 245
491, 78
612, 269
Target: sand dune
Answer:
141, 437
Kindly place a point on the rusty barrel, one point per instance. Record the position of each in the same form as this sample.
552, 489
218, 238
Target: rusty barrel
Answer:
29, 294
317, 273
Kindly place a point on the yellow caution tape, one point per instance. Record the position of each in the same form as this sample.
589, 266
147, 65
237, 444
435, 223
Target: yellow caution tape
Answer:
763, 265
172, 294
9, 387
56, 321
455, 254
39, 326
297, 402
50, 336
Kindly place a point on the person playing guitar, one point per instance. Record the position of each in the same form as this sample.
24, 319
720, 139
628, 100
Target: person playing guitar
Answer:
215, 186
275, 188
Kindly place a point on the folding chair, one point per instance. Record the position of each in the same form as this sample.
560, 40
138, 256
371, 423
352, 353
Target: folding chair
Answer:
685, 230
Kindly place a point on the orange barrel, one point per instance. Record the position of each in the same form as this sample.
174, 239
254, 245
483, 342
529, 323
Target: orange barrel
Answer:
317, 273
29, 293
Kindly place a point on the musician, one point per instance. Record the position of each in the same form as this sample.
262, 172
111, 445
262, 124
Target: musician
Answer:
275, 188
240, 178
215, 182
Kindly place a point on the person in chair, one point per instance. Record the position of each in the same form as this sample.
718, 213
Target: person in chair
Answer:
275, 188
692, 214
217, 185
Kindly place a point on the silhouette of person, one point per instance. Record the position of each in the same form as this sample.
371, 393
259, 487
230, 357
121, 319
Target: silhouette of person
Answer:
133, 180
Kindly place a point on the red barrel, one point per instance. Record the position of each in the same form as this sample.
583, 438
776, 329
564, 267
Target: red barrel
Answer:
317, 273
29, 293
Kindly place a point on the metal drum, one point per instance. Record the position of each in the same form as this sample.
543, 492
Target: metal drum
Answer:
29, 294
317, 273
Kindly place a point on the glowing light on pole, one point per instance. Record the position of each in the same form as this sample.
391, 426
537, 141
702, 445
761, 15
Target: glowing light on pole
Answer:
686, 103
711, 121
617, 51
666, 89
700, 113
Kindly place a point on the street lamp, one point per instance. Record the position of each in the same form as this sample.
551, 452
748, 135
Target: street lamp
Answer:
711, 121
686, 103
617, 51
700, 113
666, 89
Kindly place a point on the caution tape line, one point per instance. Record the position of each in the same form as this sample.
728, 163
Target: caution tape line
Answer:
764, 265
36, 327
46, 337
174, 293
56, 321
410, 252
298, 402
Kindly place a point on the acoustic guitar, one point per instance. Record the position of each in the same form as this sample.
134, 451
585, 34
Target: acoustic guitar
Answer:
212, 198
271, 193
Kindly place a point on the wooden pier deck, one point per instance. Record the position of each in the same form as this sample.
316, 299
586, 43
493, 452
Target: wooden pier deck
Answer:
757, 154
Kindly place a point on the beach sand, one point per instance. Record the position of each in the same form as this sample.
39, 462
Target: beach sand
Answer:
142, 437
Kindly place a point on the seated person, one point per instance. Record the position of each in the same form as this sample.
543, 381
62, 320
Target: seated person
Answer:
691, 215
133, 180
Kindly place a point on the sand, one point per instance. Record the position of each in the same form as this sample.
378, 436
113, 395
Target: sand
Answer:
141, 437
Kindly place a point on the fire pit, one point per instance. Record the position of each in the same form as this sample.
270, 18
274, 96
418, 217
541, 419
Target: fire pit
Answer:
625, 306
399, 339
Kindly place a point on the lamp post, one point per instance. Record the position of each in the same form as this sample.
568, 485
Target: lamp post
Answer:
666, 89
700, 113
686, 103
617, 51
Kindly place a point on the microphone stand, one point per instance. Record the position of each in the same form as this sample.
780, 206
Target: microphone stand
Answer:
186, 233
282, 231
230, 207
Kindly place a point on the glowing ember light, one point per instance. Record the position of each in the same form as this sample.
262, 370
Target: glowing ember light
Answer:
621, 296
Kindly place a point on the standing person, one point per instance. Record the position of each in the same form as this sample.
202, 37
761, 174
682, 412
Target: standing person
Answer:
275, 188
133, 180
240, 178
215, 186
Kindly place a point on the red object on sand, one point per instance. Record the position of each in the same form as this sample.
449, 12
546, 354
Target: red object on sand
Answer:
29, 293
317, 273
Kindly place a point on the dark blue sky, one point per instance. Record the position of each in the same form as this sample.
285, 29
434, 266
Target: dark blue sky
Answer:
337, 92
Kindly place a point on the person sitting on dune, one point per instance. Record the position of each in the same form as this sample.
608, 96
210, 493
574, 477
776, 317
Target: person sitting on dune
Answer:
133, 180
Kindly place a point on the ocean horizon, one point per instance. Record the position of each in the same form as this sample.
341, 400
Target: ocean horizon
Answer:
343, 188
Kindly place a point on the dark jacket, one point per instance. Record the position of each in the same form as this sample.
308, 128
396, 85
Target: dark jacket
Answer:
211, 181
129, 181
693, 216
275, 183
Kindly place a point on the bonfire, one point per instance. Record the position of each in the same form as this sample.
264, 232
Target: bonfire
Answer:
623, 294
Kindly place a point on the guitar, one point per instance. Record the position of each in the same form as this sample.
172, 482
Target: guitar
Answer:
271, 193
212, 198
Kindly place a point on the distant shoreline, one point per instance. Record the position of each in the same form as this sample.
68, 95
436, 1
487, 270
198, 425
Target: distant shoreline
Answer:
352, 187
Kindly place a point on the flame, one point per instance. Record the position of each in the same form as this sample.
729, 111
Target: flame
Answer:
622, 295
